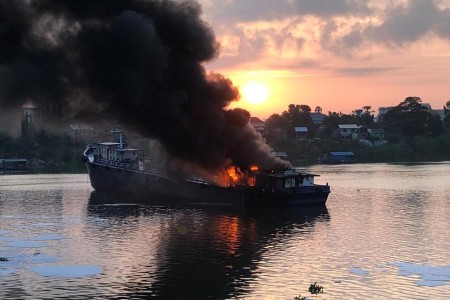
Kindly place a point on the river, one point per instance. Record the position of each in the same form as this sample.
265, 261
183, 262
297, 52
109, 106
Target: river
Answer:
384, 234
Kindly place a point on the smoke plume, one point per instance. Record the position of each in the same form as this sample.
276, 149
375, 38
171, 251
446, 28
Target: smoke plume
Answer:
139, 62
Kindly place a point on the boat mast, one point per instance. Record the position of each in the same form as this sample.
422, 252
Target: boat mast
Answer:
120, 141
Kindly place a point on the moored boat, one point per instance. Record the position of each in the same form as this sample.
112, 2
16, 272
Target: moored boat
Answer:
115, 168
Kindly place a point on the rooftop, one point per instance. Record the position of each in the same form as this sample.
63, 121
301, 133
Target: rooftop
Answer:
301, 129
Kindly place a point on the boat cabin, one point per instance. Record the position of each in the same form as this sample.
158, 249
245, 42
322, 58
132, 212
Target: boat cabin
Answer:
113, 152
284, 180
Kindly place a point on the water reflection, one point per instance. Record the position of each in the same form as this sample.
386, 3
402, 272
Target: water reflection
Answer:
190, 253
387, 239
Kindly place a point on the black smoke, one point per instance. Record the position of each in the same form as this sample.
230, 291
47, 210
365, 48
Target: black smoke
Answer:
139, 62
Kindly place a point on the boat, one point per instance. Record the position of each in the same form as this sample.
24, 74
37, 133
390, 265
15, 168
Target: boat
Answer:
13, 165
116, 169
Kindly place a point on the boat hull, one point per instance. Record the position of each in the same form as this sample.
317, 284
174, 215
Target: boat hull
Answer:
155, 188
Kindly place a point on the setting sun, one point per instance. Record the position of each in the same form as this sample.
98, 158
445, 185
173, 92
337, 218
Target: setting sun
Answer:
255, 92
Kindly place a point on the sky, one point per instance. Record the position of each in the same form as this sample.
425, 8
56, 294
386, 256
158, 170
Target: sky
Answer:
339, 55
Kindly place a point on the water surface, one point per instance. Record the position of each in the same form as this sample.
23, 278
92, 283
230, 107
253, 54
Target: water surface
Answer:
384, 234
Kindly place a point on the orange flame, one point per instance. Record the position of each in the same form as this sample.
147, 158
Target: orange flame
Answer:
234, 175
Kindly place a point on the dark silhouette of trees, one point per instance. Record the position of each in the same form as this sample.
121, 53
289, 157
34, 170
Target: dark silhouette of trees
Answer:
364, 116
295, 116
411, 118
273, 123
334, 119
447, 114
298, 115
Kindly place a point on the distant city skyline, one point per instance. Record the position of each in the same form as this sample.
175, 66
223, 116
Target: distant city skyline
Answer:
337, 54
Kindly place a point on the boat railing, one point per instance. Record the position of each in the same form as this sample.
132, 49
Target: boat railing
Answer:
122, 165
112, 163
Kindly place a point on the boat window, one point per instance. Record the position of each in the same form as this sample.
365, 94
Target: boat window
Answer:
289, 182
301, 180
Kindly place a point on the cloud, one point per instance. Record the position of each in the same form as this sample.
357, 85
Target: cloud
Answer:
365, 71
328, 8
411, 22
288, 29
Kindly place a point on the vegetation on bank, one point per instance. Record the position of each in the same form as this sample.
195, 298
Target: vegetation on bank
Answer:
399, 149
46, 152
413, 133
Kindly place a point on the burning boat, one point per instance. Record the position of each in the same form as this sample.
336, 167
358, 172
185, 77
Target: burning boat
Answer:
116, 169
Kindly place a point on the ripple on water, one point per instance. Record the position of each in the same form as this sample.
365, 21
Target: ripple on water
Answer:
384, 235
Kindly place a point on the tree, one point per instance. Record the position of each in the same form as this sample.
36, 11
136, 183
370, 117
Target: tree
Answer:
367, 117
357, 113
273, 123
411, 118
298, 116
447, 114
334, 119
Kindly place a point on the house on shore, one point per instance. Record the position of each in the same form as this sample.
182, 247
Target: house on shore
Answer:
348, 130
340, 157
301, 133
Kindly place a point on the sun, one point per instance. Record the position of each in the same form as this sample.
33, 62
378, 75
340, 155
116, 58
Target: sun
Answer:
255, 92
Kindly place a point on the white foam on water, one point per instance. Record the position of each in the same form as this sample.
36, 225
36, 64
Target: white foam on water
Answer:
67, 271
430, 276
359, 271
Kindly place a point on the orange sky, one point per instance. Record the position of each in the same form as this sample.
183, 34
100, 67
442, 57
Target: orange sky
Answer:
337, 54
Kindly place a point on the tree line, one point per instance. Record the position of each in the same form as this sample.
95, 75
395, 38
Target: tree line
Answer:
413, 131
409, 118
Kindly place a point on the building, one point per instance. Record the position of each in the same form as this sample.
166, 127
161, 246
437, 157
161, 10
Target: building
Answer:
376, 133
347, 130
340, 157
280, 133
259, 125
383, 110
81, 133
317, 117
11, 121
425, 106
301, 132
